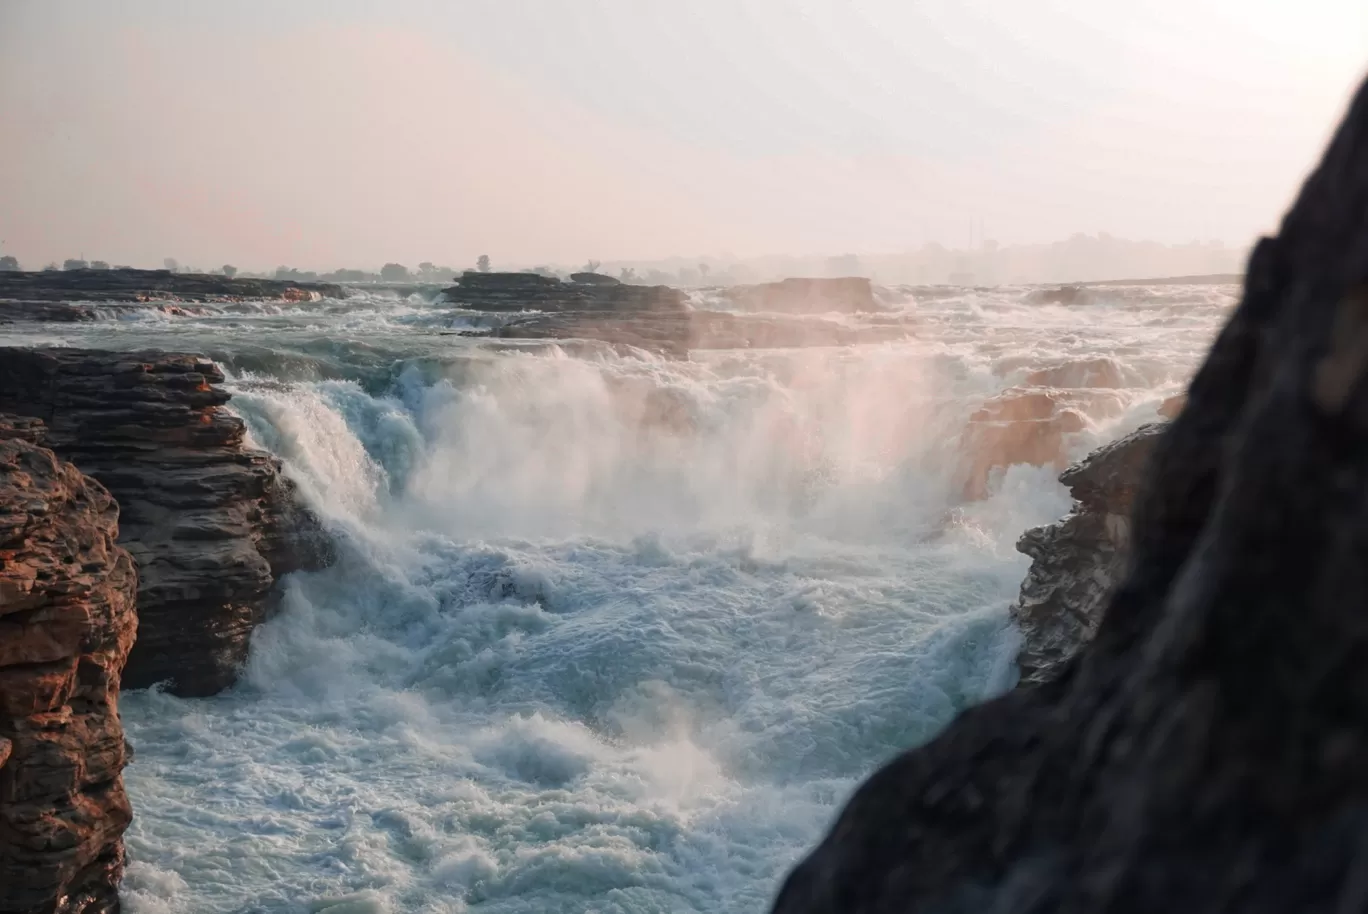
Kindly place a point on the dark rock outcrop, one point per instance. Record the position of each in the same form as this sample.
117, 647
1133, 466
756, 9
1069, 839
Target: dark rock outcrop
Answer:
211, 523
658, 319
67, 623
595, 279
534, 292
149, 286
1060, 295
1077, 562
807, 296
1207, 751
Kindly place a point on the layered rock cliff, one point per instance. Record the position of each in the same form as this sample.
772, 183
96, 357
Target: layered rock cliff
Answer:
1207, 751
67, 622
210, 522
1077, 562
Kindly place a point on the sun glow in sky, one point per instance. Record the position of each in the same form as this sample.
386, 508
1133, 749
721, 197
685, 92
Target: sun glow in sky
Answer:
323, 134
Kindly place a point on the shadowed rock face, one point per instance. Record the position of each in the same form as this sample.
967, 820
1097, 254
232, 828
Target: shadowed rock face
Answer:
211, 523
66, 626
1077, 562
1208, 750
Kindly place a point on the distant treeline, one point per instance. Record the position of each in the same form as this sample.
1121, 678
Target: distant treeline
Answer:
1082, 258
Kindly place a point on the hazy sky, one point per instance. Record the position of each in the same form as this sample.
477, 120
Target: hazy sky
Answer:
323, 133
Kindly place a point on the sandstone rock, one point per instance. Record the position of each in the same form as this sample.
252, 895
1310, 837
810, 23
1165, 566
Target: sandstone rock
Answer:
1207, 751
1033, 426
1077, 562
211, 523
1172, 406
67, 622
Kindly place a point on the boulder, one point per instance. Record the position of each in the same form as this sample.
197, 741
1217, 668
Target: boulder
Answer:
211, 523
1207, 750
67, 622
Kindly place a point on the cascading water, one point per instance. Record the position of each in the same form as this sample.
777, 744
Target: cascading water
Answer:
611, 633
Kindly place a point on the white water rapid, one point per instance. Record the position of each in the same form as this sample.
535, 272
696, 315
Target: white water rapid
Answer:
610, 633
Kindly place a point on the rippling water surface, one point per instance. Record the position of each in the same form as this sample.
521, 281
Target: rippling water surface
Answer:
610, 632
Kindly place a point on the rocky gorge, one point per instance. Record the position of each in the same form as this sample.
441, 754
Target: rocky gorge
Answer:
128, 502
210, 524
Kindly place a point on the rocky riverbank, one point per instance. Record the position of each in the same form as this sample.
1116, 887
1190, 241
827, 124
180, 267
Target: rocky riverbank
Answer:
211, 523
1206, 750
67, 622
20, 290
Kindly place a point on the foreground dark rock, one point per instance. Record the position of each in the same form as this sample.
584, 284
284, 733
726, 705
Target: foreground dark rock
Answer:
211, 523
1208, 750
1077, 562
145, 286
67, 623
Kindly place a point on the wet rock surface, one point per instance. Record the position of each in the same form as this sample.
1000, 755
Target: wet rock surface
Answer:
20, 291
211, 523
1207, 751
67, 623
1077, 562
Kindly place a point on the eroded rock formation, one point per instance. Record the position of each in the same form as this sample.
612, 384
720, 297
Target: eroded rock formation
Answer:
1077, 562
1207, 751
211, 523
67, 622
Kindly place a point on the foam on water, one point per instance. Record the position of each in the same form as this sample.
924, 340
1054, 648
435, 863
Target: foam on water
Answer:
613, 634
